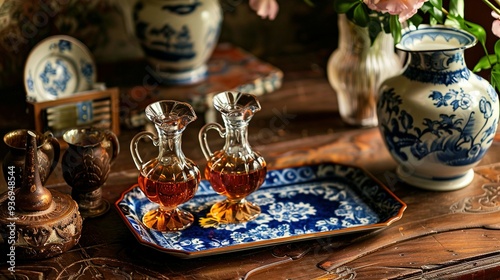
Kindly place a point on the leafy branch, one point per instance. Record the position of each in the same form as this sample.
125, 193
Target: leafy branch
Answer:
359, 13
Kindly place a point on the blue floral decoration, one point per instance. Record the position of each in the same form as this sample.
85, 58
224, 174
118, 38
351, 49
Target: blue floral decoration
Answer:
296, 203
30, 83
64, 45
87, 70
450, 138
53, 82
433, 64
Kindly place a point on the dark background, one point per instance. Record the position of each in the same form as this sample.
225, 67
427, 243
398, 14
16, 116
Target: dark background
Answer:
104, 26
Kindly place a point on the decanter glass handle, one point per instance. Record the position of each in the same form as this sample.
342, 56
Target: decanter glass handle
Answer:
134, 147
202, 137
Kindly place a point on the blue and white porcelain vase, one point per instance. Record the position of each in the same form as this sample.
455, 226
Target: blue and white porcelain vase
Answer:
178, 37
437, 118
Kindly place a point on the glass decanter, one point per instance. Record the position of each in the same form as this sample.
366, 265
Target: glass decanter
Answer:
235, 171
170, 179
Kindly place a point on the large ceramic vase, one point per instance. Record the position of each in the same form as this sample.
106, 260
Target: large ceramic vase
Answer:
178, 37
437, 118
357, 68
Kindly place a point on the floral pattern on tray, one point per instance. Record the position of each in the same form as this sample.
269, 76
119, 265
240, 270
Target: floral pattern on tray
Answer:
297, 203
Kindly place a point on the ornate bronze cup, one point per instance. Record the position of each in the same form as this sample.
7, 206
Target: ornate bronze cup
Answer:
86, 165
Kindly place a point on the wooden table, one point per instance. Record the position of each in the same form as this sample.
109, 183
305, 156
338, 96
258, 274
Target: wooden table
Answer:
445, 235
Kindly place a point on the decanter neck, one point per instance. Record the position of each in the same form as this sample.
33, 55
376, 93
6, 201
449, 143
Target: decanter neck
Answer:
236, 137
170, 147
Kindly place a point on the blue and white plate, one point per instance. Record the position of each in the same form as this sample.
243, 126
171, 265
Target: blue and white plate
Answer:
58, 66
297, 204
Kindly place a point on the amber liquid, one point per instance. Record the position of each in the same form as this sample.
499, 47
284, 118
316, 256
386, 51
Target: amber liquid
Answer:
168, 194
228, 176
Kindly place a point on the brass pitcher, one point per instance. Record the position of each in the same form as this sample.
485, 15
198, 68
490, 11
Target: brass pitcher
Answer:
48, 151
37, 222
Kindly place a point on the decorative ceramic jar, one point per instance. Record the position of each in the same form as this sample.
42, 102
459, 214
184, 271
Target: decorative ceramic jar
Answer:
357, 68
178, 37
437, 118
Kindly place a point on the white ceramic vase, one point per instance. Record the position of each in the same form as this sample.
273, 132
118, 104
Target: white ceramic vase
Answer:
357, 68
437, 118
178, 36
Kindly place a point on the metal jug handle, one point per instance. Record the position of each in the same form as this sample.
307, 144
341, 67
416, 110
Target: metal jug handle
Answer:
110, 136
53, 144
202, 137
134, 146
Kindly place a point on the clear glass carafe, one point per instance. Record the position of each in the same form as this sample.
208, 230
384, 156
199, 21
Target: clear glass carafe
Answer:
236, 170
170, 179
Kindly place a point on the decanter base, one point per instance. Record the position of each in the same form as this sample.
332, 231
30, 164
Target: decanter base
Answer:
173, 220
231, 212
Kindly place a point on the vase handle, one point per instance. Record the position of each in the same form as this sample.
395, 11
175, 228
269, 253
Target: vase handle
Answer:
202, 137
134, 146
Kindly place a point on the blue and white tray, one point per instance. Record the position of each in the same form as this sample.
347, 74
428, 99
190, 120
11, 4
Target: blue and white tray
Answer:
297, 204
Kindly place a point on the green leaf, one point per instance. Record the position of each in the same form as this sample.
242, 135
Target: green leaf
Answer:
485, 63
386, 25
476, 30
457, 7
343, 6
455, 21
374, 28
436, 14
497, 50
438, 4
426, 7
360, 16
395, 28
495, 77
416, 19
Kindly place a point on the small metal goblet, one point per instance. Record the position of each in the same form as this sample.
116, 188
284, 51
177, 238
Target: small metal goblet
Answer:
86, 165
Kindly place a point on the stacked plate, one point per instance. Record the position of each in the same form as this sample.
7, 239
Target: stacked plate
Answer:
57, 67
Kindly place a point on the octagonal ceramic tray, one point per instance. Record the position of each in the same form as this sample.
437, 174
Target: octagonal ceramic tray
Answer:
297, 203
58, 66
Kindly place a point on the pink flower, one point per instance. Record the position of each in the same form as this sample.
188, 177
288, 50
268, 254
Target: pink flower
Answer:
265, 8
495, 26
404, 8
